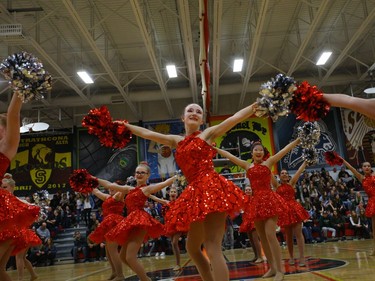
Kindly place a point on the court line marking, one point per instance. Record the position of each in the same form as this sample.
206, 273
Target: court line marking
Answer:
89, 274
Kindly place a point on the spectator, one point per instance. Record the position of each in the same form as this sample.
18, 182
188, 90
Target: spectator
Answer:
80, 245
228, 241
88, 205
339, 224
355, 224
49, 252
326, 224
43, 232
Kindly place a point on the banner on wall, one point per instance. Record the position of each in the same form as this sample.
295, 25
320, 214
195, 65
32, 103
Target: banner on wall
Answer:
286, 131
161, 157
239, 139
42, 163
359, 133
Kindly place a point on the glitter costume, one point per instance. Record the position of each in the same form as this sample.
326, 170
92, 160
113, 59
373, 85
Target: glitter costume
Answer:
247, 224
207, 192
295, 212
368, 184
136, 220
112, 213
265, 203
26, 238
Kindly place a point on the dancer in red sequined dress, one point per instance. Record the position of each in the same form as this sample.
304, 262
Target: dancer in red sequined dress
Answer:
138, 225
14, 214
265, 206
292, 219
368, 183
113, 208
248, 226
203, 206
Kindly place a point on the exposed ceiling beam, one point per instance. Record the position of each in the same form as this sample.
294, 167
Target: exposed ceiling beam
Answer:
216, 44
253, 50
314, 25
151, 52
364, 26
187, 42
86, 34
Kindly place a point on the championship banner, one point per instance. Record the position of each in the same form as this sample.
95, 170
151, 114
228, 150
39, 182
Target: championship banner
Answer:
160, 157
42, 163
359, 133
239, 139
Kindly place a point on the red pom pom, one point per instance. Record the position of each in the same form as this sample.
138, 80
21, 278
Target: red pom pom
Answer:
81, 181
110, 134
332, 158
308, 103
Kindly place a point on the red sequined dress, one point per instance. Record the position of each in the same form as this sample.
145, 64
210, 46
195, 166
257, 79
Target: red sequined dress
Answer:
207, 191
14, 214
247, 224
136, 220
368, 184
112, 213
295, 212
265, 203
27, 238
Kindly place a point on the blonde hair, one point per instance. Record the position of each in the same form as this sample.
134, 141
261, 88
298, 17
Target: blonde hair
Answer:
145, 165
8, 179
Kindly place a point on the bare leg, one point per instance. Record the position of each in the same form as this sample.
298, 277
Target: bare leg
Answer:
20, 265
176, 249
297, 229
373, 235
214, 228
270, 229
113, 273
5, 251
255, 243
289, 242
363, 106
193, 247
261, 230
131, 250
114, 258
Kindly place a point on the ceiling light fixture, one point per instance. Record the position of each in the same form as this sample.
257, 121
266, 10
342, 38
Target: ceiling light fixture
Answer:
172, 71
29, 127
85, 77
237, 65
323, 58
370, 90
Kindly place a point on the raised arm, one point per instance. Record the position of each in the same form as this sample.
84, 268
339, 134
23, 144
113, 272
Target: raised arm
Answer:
277, 157
153, 188
358, 175
363, 106
218, 130
111, 185
295, 178
9, 145
235, 160
170, 140
159, 200
102, 196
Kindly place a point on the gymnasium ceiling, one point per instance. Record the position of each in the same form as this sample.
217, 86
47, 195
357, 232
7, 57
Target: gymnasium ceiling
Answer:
126, 44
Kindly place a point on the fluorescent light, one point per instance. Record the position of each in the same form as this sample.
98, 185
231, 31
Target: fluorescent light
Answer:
172, 72
237, 65
323, 58
85, 77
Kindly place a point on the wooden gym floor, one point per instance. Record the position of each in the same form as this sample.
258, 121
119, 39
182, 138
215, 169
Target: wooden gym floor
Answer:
333, 261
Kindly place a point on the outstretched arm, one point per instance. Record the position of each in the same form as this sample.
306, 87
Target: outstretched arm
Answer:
277, 157
111, 185
354, 171
153, 188
170, 140
9, 145
363, 106
239, 162
159, 200
218, 130
102, 196
295, 178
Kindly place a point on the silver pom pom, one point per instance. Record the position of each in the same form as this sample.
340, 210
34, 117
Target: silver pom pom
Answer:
309, 134
310, 156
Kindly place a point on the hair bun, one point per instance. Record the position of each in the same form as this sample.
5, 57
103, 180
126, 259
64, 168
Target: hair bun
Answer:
8, 176
144, 163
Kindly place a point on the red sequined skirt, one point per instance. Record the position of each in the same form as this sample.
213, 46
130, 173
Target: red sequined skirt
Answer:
131, 225
295, 213
266, 204
27, 238
370, 208
209, 194
246, 225
14, 213
108, 223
